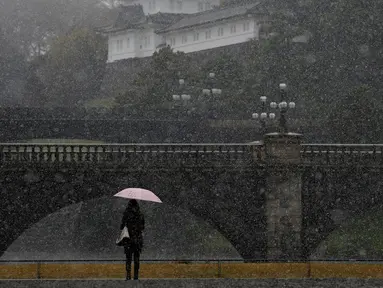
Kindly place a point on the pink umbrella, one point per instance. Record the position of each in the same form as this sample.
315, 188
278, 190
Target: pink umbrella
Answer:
138, 194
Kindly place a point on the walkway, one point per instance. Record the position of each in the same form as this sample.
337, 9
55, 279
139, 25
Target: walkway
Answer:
197, 270
196, 283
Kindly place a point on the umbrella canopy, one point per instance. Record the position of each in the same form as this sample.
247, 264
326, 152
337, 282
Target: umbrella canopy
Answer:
138, 194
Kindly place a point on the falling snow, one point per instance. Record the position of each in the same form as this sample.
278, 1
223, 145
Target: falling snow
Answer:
260, 133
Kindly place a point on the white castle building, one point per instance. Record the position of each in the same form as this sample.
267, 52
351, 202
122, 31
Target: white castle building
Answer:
145, 26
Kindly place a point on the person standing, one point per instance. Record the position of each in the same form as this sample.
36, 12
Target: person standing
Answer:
134, 220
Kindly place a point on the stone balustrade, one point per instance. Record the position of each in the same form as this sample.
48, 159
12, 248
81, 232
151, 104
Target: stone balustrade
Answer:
133, 155
370, 155
191, 155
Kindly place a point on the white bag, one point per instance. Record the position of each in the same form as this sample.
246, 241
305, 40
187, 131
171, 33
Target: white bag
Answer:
123, 236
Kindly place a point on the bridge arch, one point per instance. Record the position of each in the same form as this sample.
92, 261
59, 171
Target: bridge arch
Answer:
335, 196
172, 233
222, 198
357, 237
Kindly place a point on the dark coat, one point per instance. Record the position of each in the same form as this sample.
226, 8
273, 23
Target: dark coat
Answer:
135, 222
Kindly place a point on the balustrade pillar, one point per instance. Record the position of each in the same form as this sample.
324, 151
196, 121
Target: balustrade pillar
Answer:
283, 199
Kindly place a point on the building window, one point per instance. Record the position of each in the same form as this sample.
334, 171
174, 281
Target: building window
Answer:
147, 41
172, 41
200, 6
179, 5
127, 42
208, 34
207, 6
220, 31
184, 39
120, 45
246, 26
196, 36
233, 29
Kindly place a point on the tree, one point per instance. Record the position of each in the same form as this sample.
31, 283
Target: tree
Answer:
229, 77
34, 92
31, 25
324, 50
74, 68
155, 85
357, 117
12, 73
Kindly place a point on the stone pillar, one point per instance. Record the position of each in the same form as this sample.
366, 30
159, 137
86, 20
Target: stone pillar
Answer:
283, 198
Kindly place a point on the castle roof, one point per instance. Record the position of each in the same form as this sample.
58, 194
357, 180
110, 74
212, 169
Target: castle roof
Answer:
214, 15
133, 17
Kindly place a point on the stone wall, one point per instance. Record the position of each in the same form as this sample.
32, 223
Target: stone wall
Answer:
196, 283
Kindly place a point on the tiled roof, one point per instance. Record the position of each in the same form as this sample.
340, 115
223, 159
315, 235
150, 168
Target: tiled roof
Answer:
133, 17
211, 16
166, 18
129, 15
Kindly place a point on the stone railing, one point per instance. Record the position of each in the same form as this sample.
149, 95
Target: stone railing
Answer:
342, 154
185, 155
133, 155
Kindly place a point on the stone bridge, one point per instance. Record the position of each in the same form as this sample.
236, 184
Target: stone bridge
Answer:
271, 200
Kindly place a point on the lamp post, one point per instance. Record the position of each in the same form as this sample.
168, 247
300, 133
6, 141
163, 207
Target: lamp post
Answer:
211, 90
182, 99
263, 115
283, 107
208, 92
